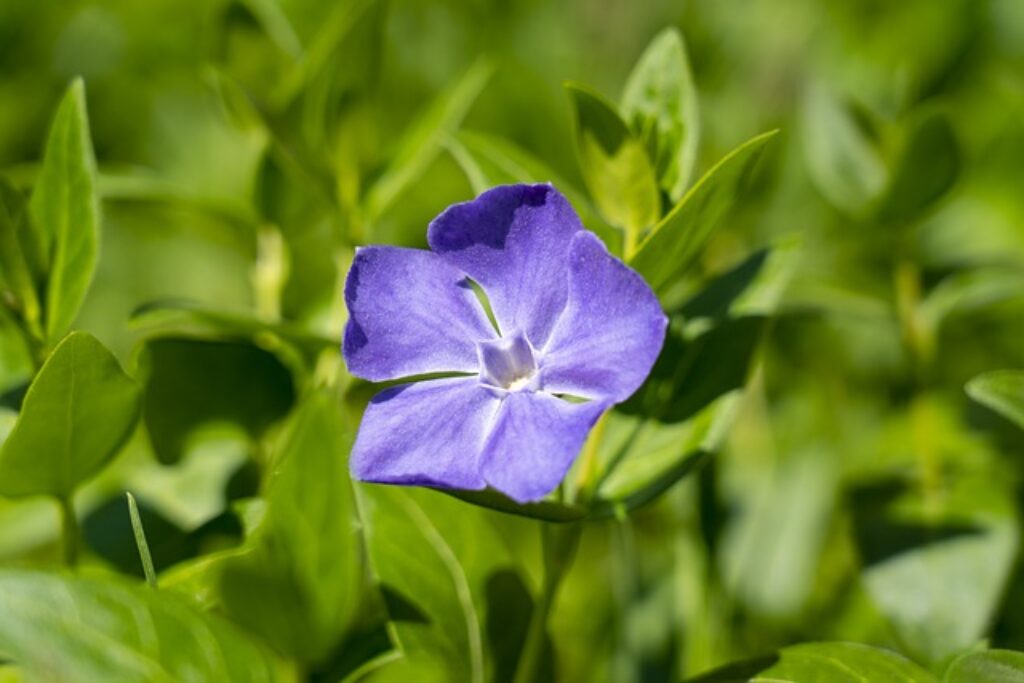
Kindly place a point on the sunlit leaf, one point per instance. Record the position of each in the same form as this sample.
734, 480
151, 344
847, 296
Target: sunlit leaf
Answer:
70, 629
831, 662
676, 241
300, 582
1002, 391
78, 412
614, 162
660, 103
991, 666
65, 212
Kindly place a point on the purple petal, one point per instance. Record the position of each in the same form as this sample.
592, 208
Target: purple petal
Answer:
533, 442
410, 313
611, 332
514, 241
428, 433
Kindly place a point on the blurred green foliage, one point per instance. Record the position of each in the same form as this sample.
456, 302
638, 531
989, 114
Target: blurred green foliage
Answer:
830, 308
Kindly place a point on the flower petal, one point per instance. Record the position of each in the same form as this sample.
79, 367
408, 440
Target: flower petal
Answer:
428, 433
410, 313
533, 442
514, 241
605, 343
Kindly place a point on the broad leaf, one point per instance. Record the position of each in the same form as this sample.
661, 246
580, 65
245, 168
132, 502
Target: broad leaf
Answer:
421, 144
299, 584
614, 163
190, 383
676, 241
831, 662
936, 562
65, 211
843, 160
1002, 391
992, 666
660, 104
68, 629
433, 556
925, 168
78, 412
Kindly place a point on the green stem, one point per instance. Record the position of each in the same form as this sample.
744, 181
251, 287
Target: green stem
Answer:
559, 543
69, 530
140, 541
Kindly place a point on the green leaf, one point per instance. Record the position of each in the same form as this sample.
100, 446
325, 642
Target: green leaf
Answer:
660, 104
78, 412
925, 168
1002, 391
992, 666
422, 142
189, 383
824, 662
676, 241
968, 290
66, 212
614, 162
844, 162
489, 161
299, 584
16, 274
936, 562
73, 629
433, 556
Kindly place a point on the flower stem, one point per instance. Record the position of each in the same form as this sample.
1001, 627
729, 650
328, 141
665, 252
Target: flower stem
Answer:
69, 530
559, 543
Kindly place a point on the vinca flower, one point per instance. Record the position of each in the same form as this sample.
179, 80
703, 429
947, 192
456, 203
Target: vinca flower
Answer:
505, 404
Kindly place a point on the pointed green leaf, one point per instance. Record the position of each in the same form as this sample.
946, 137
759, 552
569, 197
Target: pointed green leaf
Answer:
304, 558
16, 275
676, 241
422, 142
1002, 391
844, 162
60, 628
65, 210
660, 104
614, 162
831, 662
926, 166
78, 412
992, 666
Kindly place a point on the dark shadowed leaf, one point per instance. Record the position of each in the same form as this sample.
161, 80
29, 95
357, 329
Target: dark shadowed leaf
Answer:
676, 241
925, 168
78, 412
69, 629
822, 663
189, 383
17, 279
614, 162
1002, 391
65, 213
660, 104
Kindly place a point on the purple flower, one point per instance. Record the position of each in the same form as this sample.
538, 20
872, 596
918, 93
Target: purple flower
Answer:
573, 322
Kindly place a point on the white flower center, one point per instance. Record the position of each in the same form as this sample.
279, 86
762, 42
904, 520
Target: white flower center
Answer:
508, 363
